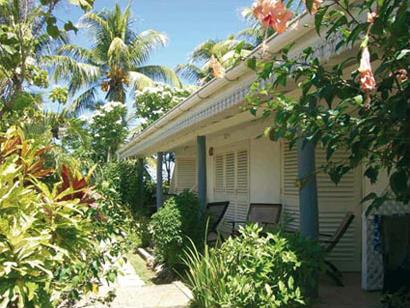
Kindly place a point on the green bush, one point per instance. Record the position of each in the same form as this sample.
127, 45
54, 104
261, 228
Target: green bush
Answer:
122, 177
55, 236
252, 270
173, 225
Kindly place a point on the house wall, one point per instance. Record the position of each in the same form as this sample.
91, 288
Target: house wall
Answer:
264, 161
271, 173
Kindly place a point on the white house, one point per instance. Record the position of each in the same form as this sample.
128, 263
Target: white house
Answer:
244, 168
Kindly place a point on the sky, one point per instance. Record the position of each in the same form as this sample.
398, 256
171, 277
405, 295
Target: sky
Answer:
186, 23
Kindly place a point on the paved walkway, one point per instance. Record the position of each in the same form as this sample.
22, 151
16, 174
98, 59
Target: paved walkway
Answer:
130, 292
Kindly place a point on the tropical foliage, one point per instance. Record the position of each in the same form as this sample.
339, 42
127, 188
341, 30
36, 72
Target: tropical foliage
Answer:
108, 131
152, 102
52, 225
346, 106
253, 270
175, 223
115, 63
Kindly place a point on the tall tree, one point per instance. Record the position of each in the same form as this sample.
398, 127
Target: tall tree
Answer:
116, 62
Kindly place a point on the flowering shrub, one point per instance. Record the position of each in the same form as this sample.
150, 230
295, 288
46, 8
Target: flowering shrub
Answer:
108, 129
152, 102
54, 237
360, 108
252, 270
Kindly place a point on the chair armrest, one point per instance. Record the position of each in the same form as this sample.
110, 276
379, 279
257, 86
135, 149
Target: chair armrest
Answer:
234, 222
267, 223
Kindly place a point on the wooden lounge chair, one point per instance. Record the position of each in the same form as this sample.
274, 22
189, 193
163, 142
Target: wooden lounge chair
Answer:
329, 242
215, 212
264, 214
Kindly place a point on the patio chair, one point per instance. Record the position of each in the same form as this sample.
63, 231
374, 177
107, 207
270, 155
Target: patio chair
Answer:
215, 211
264, 214
329, 242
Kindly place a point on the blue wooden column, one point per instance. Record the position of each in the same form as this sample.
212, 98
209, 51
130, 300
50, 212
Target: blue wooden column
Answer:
160, 197
308, 207
201, 170
140, 176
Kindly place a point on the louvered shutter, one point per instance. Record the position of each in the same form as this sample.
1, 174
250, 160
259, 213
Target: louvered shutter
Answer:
242, 185
334, 201
185, 173
219, 173
230, 172
232, 184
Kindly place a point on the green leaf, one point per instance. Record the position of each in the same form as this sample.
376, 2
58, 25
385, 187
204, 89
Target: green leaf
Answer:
69, 26
358, 99
372, 173
398, 182
319, 18
251, 63
402, 54
53, 31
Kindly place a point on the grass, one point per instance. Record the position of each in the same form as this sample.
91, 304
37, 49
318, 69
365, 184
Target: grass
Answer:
140, 268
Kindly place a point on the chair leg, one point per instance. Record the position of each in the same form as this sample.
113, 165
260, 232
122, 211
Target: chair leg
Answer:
333, 268
335, 278
334, 273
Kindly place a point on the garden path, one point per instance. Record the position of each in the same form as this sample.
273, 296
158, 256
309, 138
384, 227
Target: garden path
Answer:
131, 292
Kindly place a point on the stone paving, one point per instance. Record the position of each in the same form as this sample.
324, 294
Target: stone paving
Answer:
132, 293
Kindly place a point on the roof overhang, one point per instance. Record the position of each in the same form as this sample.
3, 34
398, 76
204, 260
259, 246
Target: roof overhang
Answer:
220, 95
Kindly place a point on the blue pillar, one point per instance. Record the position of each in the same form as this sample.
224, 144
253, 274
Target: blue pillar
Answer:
308, 207
309, 214
159, 180
140, 176
201, 169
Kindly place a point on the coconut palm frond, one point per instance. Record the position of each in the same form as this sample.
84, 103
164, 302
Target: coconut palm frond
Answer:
160, 73
190, 72
144, 44
139, 81
86, 100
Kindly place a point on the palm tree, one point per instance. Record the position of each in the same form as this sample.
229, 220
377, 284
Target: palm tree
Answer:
226, 52
114, 64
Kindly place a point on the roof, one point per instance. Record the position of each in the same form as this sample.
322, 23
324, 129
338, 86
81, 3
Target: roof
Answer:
274, 44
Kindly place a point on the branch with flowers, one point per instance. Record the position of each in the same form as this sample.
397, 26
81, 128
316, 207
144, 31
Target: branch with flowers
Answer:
360, 105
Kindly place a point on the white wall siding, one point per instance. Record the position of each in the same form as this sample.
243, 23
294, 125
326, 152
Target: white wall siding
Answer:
185, 173
334, 201
265, 171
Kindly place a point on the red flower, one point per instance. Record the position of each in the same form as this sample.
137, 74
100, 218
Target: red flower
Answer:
272, 13
367, 81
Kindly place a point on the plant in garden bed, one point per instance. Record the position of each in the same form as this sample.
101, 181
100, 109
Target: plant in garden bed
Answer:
55, 236
252, 270
177, 221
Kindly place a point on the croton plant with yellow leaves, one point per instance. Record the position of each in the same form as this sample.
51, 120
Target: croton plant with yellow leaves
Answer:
56, 232
359, 103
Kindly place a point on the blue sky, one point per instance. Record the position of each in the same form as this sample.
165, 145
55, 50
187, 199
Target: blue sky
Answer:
186, 22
